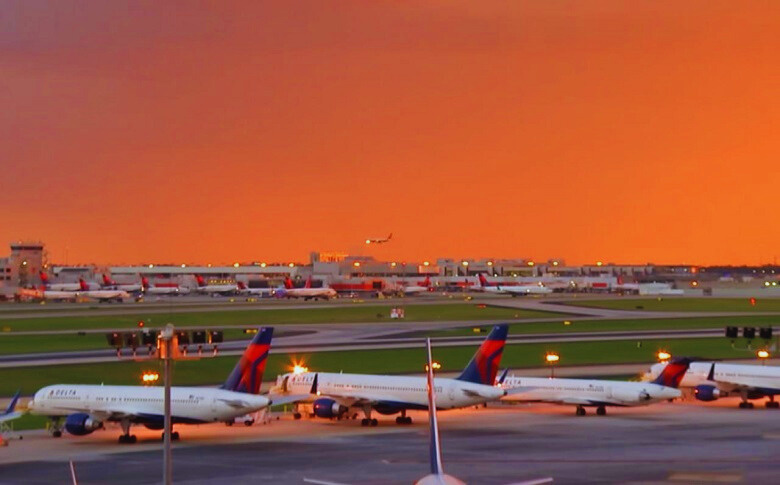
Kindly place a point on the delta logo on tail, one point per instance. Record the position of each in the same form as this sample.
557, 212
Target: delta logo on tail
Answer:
674, 372
484, 365
288, 283
247, 376
200, 280
108, 281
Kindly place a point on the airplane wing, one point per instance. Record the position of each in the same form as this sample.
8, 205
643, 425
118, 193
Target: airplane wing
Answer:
350, 397
279, 399
10, 416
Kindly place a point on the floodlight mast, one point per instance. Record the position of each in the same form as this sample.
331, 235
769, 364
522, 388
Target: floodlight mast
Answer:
166, 337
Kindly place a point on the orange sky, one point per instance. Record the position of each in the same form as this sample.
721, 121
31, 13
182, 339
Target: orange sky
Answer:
616, 131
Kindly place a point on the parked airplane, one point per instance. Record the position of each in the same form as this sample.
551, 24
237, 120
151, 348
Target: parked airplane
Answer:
598, 393
102, 295
334, 394
109, 284
49, 286
87, 407
519, 290
44, 294
307, 292
172, 289
712, 380
243, 289
380, 240
223, 289
422, 287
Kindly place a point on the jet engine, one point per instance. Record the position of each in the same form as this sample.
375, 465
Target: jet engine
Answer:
328, 408
706, 392
79, 424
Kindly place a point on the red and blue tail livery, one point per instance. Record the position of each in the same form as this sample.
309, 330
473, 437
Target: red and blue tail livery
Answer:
247, 376
483, 367
674, 372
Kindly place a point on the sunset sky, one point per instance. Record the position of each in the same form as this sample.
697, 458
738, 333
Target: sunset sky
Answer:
216, 131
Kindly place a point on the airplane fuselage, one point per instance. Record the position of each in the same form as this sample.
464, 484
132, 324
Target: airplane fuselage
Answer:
585, 392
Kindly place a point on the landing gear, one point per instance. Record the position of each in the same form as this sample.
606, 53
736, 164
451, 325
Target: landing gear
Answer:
368, 422
126, 437
55, 427
174, 436
746, 405
403, 418
772, 404
601, 411
581, 411
296, 415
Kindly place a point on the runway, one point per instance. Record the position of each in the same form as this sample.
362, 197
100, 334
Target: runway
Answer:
666, 443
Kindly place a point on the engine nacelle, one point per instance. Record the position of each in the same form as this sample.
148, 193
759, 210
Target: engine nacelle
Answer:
706, 392
631, 396
79, 424
328, 408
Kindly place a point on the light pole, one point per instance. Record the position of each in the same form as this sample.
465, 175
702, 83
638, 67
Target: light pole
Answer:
167, 336
552, 359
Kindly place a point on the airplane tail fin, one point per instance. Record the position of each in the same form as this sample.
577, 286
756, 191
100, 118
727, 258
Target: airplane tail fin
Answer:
673, 373
144, 282
483, 367
247, 375
390, 236
106, 280
308, 282
12, 406
83, 285
482, 280
288, 284
44, 279
200, 280
435, 445
241, 285
426, 282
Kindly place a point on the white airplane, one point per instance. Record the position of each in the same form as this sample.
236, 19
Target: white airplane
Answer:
423, 287
150, 289
334, 394
225, 289
598, 393
380, 240
44, 294
307, 292
48, 286
520, 290
712, 380
102, 295
11, 412
109, 284
243, 289
87, 408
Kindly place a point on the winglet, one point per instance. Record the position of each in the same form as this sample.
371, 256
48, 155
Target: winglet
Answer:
503, 376
314, 385
711, 375
435, 445
12, 406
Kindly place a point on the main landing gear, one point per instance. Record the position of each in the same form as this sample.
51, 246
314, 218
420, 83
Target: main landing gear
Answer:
367, 421
126, 437
55, 427
581, 411
174, 436
601, 411
403, 418
772, 404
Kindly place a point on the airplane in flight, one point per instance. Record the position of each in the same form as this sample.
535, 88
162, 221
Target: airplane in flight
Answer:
49, 286
102, 295
86, 407
596, 393
243, 289
110, 284
221, 289
380, 240
712, 380
168, 289
517, 290
334, 394
422, 287
307, 292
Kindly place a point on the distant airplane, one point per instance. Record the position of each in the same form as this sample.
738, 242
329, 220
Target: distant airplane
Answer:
109, 284
596, 393
102, 295
87, 407
516, 290
713, 380
172, 289
422, 287
224, 289
49, 286
307, 292
243, 289
380, 241
333, 394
